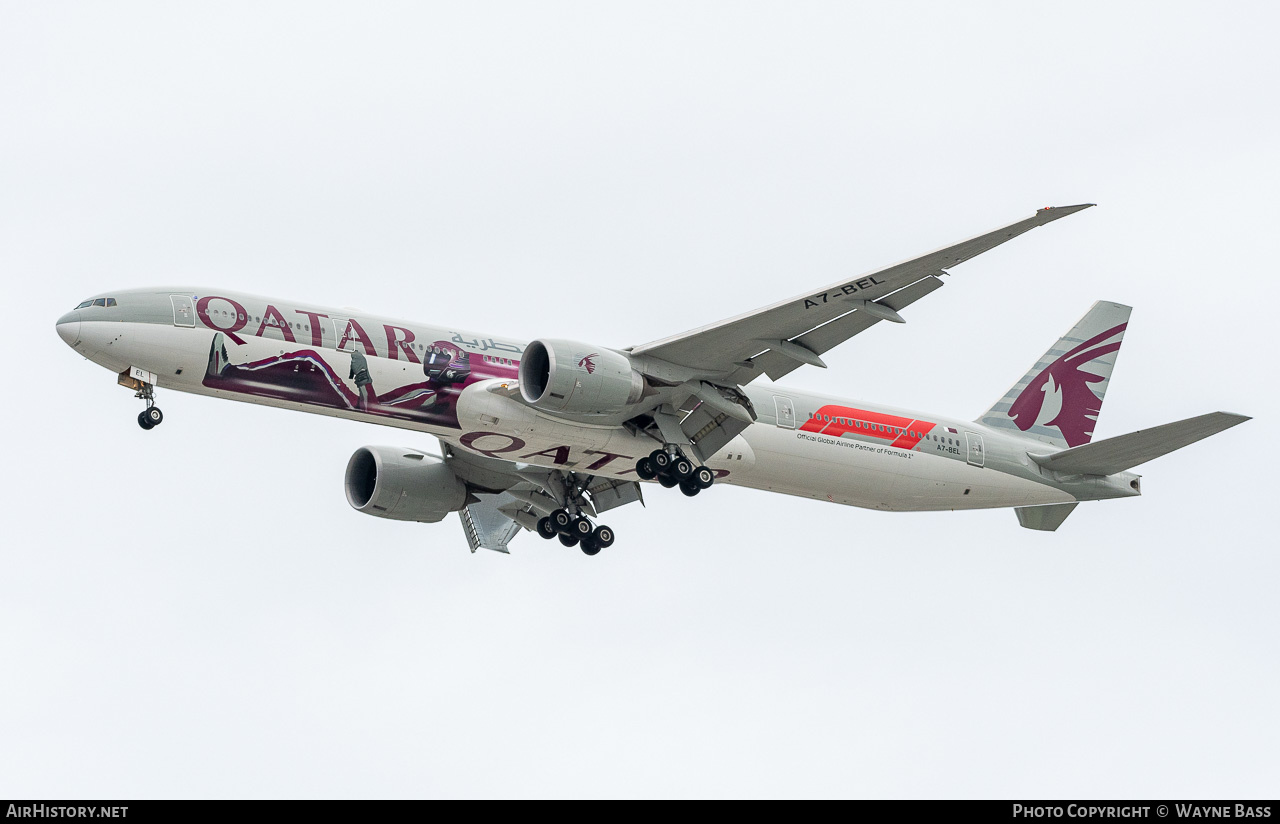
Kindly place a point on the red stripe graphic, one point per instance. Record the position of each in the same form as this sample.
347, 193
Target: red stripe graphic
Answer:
895, 430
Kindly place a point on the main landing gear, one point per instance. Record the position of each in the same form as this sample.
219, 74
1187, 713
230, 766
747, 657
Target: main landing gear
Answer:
670, 468
569, 522
576, 530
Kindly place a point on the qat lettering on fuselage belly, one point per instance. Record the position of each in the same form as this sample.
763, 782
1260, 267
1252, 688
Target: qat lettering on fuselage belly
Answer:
843, 291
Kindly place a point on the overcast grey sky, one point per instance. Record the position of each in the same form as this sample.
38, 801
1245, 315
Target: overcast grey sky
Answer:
196, 612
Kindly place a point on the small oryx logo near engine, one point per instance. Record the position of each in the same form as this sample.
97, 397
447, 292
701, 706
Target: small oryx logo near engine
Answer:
588, 363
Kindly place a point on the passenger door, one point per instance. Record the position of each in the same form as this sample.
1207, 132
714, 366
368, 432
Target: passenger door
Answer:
976, 456
786, 412
184, 311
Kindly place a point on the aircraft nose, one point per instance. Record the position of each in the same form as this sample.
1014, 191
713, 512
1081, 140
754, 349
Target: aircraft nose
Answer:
69, 328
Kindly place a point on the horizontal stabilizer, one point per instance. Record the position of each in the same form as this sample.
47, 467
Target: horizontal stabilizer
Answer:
1044, 518
1113, 455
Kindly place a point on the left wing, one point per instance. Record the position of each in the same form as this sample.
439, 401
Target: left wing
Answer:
777, 339
505, 497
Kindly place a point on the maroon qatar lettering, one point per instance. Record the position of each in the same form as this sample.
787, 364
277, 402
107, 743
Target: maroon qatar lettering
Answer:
558, 454
210, 317
399, 338
605, 459
272, 319
469, 441
356, 331
317, 337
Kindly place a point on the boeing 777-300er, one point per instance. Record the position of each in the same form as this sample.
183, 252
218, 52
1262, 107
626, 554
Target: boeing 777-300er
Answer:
548, 435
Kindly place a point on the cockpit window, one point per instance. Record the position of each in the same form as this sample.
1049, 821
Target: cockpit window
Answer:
86, 303
100, 302
111, 301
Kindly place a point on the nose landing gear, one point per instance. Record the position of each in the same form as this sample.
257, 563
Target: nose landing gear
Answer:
150, 417
143, 384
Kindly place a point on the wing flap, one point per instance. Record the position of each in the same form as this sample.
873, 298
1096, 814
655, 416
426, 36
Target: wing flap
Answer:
709, 430
609, 493
486, 526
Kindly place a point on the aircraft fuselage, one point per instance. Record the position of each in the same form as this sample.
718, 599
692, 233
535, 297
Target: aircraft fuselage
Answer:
440, 381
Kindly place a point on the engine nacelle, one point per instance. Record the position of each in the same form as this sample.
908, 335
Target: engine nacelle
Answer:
402, 484
572, 377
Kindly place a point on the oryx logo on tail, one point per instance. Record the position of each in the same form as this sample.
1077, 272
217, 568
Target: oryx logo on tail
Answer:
1059, 399
1068, 383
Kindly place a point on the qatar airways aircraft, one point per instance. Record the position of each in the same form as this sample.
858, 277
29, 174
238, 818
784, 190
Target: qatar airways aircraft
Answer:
546, 436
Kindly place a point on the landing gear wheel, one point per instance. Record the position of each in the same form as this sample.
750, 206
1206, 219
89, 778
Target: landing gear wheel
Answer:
660, 460
561, 520
603, 536
682, 468
667, 481
644, 468
546, 529
690, 487
568, 540
704, 476
590, 547
142, 420
581, 529
153, 415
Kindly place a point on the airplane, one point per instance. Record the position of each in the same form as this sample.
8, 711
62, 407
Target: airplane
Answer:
547, 435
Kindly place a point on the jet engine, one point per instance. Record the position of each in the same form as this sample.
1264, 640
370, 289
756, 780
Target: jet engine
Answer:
578, 379
402, 484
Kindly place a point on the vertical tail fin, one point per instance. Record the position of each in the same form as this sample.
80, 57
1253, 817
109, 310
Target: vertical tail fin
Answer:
1058, 401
